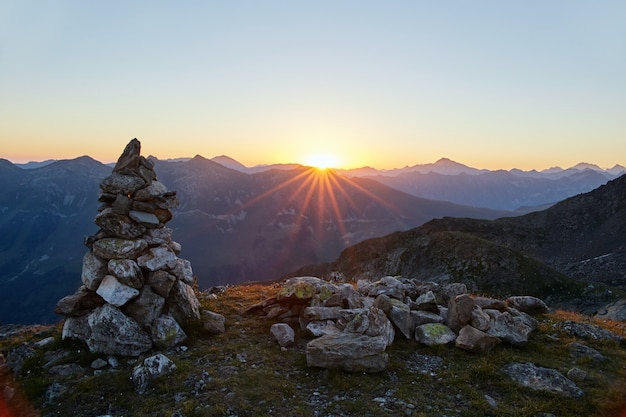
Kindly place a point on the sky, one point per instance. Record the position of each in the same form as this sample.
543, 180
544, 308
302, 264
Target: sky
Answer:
491, 84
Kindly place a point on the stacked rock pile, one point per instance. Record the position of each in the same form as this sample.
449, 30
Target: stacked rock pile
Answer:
136, 291
354, 326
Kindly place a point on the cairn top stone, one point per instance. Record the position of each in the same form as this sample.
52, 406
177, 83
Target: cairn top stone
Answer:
130, 159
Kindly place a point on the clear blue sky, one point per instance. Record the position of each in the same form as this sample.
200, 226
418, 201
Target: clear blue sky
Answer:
492, 84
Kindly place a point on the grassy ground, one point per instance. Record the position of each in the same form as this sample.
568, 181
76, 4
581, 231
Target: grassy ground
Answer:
243, 372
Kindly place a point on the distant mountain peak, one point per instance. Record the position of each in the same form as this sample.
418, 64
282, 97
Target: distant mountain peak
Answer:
585, 165
229, 162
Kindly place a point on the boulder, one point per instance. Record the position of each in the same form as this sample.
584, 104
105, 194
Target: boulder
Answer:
153, 191
114, 292
542, 379
614, 311
183, 271
426, 302
111, 332
348, 351
80, 303
480, 320
322, 313
400, 316
432, 334
151, 368
474, 340
213, 323
371, 322
321, 328
157, 258
146, 307
459, 311
126, 271
420, 317
283, 334
580, 351
449, 291
94, 269
513, 330
158, 236
122, 184
589, 331
118, 225
489, 303
166, 332
161, 282
143, 218
527, 304
116, 248
183, 303
390, 286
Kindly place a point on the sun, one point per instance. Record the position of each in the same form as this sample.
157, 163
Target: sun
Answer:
321, 161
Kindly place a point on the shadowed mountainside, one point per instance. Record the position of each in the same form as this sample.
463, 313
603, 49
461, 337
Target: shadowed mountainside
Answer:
564, 254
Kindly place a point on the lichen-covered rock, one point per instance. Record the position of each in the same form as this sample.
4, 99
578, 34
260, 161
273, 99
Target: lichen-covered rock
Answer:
432, 334
118, 225
166, 332
116, 248
372, 322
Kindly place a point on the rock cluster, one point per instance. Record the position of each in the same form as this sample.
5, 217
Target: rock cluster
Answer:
354, 326
136, 291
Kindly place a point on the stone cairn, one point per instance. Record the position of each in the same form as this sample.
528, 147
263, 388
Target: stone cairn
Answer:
136, 291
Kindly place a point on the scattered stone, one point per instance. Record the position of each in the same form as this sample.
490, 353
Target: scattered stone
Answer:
213, 322
578, 350
542, 379
424, 364
54, 392
283, 334
589, 331
99, 363
151, 368
577, 374
48, 341
66, 370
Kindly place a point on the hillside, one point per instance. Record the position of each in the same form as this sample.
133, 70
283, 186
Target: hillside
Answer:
244, 372
560, 254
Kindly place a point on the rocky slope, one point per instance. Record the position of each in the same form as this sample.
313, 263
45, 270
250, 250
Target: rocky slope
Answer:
560, 254
245, 372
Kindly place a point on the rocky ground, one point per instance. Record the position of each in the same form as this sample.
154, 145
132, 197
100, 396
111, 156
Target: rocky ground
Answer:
245, 372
